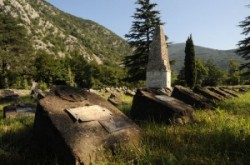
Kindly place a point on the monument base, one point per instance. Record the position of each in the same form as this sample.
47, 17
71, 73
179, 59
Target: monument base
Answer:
158, 79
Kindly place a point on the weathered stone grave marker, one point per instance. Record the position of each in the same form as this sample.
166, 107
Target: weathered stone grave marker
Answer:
80, 125
8, 95
188, 96
220, 92
18, 110
160, 108
208, 94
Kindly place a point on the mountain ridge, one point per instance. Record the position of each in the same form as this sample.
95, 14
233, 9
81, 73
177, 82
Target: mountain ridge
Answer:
220, 57
59, 33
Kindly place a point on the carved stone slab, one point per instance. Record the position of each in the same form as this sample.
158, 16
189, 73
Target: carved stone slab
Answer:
160, 108
164, 98
90, 113
17, 110
114, 124
101, 126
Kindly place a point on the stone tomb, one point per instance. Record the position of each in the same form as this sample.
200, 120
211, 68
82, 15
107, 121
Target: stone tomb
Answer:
225, 95
189, 97
18, 110
160, 108
207, 93
8, 95
79, 125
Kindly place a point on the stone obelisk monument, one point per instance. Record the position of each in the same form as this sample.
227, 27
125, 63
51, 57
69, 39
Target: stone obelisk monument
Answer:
158, 68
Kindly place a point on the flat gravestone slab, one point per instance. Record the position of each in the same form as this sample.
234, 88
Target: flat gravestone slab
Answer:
15, 110
23, 109
90, 113
161, 108
114, 124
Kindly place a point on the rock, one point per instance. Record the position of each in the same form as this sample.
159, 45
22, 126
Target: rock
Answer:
129, 92
160, 108
189, 97
79, 125
208, 94
107, 90
115, 99
243, 90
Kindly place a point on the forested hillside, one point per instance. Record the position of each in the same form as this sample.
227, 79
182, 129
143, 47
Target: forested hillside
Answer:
219, 57
60, 34
38, 42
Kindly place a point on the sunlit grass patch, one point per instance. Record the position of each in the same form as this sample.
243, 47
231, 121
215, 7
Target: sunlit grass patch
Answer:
221, 136
237, 106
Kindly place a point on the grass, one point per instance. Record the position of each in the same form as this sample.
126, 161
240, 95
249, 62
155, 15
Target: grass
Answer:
17, 143
220, 137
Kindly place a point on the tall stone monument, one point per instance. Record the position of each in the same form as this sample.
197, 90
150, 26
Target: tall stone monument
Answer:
158, 68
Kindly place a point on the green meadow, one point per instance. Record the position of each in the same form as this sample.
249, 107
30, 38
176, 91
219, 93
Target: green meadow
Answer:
221, 136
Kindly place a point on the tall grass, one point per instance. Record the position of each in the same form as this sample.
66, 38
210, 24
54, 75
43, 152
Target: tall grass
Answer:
17, 143
221, 136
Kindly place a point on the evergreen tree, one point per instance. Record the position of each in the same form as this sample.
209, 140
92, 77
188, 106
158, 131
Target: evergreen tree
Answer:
244, 45
146, 18
189, 64
16, 51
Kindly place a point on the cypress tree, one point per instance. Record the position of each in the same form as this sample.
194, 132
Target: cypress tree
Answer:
190, 69
140, 37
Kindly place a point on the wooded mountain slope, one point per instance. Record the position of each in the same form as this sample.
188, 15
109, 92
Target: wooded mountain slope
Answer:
219, 57
60, 34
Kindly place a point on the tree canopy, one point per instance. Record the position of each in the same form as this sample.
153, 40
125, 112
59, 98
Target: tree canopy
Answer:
146, 18
244, 45
16, 51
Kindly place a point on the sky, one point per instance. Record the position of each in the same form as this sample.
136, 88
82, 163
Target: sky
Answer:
212, 23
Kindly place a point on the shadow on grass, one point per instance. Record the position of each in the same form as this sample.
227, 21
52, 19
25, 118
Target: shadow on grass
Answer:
20, 147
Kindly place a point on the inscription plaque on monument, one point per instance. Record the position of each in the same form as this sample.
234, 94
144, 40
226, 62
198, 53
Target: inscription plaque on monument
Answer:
102, 115
90, 113
114, 124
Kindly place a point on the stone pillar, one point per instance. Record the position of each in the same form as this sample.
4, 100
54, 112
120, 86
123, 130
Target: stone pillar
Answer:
158, 68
